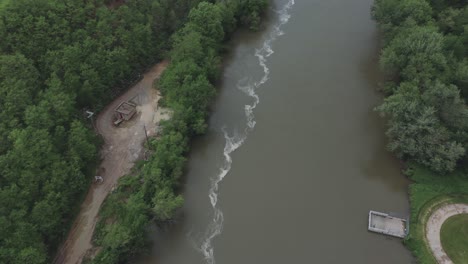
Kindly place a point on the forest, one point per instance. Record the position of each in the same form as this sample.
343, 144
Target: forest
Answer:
425, 61
61, 58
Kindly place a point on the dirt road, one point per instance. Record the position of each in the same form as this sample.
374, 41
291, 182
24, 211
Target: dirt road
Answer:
122, 147
435, 224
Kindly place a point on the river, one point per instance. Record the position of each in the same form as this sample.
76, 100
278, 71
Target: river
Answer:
292, 178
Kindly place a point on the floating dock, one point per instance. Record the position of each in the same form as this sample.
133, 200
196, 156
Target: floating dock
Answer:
388, 225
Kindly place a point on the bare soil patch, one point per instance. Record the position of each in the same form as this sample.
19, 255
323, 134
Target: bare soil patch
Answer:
123, 146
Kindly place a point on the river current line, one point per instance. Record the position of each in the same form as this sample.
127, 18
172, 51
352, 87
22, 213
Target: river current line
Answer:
235, 141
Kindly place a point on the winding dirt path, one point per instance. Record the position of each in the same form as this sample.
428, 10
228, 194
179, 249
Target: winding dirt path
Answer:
122, 147
434, 225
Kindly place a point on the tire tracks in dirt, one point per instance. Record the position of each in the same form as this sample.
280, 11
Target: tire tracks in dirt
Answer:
123, 145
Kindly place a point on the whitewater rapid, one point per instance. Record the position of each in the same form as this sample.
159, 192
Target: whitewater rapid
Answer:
237, 139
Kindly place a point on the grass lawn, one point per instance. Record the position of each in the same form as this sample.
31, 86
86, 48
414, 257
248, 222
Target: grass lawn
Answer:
428, 192
454, 237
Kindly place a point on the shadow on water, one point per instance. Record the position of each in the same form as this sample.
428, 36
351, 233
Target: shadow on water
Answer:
380, 157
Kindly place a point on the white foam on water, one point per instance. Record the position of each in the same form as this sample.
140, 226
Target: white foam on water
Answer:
234, 142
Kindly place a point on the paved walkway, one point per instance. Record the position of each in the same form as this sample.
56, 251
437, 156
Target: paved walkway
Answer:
434, 225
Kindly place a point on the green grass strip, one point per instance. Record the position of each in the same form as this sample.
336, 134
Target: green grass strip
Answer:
428, 192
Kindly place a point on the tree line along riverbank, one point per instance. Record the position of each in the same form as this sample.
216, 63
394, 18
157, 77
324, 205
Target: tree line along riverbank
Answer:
425, 59
59, 58
188, 89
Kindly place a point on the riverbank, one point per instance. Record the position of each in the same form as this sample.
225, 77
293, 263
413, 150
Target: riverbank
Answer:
315, 108
425, 62
428, 192
60, 62
149, 193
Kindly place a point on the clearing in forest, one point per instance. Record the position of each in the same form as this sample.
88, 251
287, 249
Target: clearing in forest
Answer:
123, 145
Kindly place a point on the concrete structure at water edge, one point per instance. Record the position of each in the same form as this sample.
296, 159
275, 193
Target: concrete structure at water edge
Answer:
388, 225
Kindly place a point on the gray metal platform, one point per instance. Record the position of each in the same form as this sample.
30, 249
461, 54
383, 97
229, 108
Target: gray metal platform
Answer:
388, 225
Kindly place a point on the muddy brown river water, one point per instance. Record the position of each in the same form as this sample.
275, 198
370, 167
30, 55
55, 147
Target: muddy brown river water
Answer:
295, 155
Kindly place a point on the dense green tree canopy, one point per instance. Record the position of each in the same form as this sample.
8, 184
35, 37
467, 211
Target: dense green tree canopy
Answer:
187, 87
58, 58
395, 15
415, 128
416, 53
425, 57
